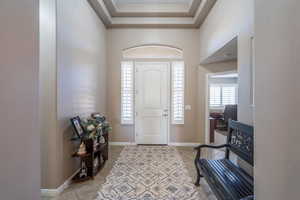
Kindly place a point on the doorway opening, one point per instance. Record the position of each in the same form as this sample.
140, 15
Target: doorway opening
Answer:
221, 101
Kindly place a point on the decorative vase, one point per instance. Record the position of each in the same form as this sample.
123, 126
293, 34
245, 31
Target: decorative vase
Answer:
82, 149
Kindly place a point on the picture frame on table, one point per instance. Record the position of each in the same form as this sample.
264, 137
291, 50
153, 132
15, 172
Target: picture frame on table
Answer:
76, 123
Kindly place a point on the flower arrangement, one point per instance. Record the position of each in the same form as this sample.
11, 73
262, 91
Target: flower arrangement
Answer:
95, 125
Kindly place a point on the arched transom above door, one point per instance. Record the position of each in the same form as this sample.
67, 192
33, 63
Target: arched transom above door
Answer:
152, 13
153, 52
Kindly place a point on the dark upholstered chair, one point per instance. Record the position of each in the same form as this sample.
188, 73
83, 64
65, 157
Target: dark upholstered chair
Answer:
230, 112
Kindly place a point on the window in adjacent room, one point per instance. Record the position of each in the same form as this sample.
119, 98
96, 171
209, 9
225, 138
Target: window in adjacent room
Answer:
222, 94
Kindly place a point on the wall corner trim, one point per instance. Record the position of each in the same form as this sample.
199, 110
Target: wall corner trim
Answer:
60, 189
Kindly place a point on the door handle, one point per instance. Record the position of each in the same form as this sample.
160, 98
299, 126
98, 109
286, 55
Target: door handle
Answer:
165, 115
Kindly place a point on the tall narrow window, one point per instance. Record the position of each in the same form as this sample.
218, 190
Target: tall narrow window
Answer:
178, 92
127, 93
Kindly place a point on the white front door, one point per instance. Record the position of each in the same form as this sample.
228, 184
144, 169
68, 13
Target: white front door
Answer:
152, 102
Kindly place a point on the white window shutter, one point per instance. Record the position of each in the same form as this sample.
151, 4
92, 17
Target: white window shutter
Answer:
228, 95
222, 94
215, 96
127, 91
178, 92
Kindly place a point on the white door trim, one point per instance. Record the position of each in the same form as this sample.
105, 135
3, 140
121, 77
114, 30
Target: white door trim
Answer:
168, 96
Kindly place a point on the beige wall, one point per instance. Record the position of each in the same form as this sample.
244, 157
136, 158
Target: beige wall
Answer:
187, 40
277, 113
228, 19
81, 63
73, 81
20, 140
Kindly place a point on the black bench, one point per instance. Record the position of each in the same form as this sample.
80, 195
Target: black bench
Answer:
227, 180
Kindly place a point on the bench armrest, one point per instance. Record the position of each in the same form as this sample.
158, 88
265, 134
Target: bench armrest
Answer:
211, 146
207, 146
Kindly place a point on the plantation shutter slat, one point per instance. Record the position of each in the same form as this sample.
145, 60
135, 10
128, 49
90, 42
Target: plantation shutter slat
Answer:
178, 92
127, 93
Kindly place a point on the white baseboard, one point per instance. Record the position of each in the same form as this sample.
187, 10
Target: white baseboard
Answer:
121, 143
183, 144
60, 189
49, 192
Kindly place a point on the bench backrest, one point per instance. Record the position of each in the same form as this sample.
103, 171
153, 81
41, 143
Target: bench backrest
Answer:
240, 139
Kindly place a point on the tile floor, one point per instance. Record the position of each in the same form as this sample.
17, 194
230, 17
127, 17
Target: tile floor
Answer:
88, 190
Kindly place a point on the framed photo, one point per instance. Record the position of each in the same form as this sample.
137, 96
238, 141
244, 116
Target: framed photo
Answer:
77, 126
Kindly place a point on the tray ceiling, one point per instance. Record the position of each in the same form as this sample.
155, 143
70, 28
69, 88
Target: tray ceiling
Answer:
152, 13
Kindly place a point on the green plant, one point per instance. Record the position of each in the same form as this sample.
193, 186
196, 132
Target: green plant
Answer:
94, 127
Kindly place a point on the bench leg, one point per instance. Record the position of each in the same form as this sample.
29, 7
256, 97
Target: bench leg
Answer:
197, 183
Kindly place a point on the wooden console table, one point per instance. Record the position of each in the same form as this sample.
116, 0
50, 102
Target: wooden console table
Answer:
94, 159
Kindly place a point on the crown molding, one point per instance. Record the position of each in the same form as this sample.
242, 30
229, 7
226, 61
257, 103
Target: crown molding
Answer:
101, 11
201, 9
161, 10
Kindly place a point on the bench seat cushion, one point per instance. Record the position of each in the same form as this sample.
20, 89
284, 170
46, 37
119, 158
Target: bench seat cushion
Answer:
226, 179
